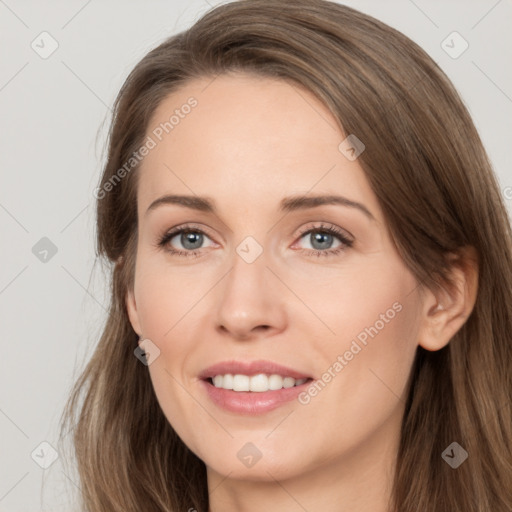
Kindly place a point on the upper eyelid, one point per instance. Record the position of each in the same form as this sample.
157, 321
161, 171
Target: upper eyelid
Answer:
187, 227
196, 227
328, 226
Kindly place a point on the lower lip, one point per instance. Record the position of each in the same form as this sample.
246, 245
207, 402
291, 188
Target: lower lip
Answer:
252, 402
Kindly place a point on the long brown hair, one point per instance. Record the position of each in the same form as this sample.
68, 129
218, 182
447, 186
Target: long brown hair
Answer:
425, 163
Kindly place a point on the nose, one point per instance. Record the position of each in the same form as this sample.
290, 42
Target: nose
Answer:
250, 301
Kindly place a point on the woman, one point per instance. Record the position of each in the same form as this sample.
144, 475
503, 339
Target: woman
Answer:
241, 370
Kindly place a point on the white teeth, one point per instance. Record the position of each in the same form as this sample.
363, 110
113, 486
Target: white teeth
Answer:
218, 381
227, 381
240, 382
257, 383
275, 382
288, 382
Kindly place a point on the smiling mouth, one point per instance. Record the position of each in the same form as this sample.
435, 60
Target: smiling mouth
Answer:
258, 383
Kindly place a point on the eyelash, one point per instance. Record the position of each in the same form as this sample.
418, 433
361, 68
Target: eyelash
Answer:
331, 230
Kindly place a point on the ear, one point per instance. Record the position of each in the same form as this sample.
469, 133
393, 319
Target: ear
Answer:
131, 307
445, 312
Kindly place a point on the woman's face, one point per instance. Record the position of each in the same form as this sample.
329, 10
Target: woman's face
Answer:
261, 277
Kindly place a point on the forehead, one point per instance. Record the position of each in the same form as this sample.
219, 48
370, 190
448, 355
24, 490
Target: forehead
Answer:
248, 137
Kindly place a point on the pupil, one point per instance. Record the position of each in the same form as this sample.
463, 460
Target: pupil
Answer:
319, 237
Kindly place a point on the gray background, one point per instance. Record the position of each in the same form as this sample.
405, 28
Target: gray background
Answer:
54, 117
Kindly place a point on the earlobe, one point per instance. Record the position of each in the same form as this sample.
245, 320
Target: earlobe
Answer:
131, 308
445, 312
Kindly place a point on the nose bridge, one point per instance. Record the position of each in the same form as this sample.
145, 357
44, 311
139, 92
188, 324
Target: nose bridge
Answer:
248, 300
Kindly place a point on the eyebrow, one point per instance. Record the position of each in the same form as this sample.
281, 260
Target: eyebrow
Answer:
288, 204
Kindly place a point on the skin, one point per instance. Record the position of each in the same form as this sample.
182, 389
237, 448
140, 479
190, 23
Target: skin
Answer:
249, 143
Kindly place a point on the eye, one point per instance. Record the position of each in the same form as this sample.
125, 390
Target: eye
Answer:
321, 239
190, 238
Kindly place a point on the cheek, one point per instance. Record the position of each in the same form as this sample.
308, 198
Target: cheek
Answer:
167, 310
372, 313
362, 390
164, 297
371, 300
373, 353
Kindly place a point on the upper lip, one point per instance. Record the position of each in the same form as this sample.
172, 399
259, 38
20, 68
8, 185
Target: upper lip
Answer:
251, 368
